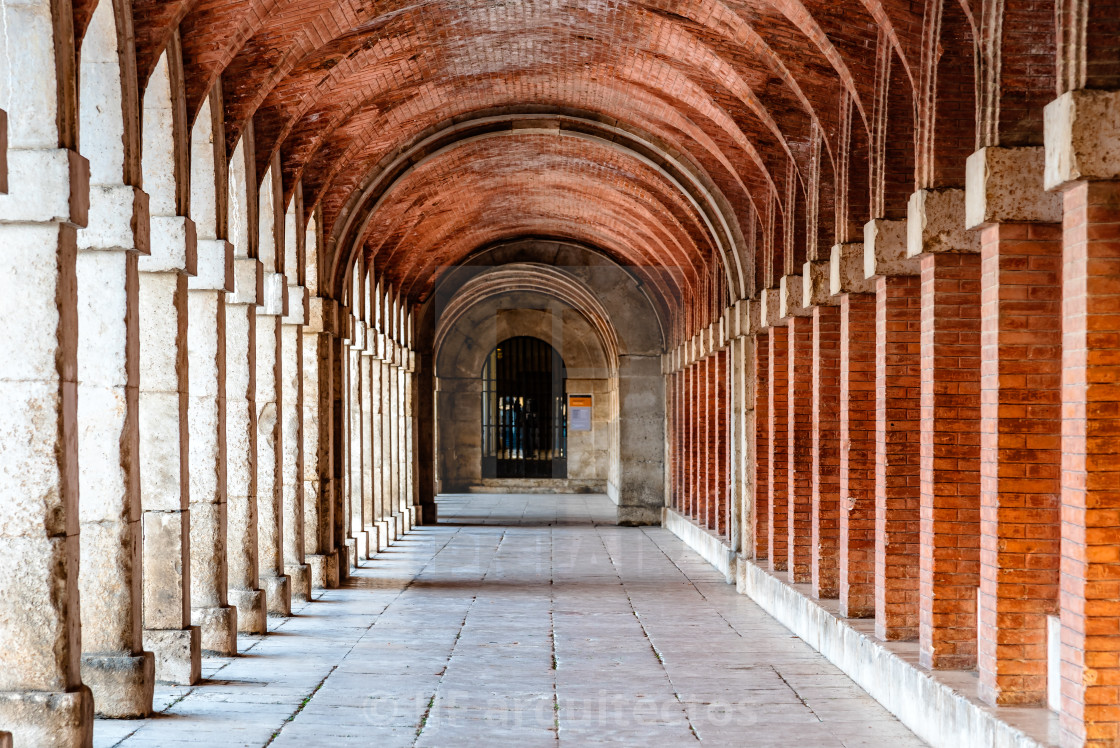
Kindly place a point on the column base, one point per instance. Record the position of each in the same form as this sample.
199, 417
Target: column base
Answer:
375, 540
361, 543
122, 684
385, 533
413, 516
219, 629
398, 525
324, 570
252, 611
636, 516
406, 520
178, 654
52, 719
345, 563
278, 592
351, 546
300, 574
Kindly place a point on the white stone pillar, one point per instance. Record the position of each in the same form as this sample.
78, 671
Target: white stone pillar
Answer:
369, 506
414, 517
114, 663
164, 450
241, 448
395, 439
357, 399
340, 366
389, 515
270, 507
318, 452
42, 699
377, 450
291, 420
206, 336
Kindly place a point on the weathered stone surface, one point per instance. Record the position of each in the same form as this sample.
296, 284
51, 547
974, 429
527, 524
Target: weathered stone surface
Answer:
1007, 184
122, 684
791, 301
885, 249
816, 284
936, 223
846, 270
1082, 137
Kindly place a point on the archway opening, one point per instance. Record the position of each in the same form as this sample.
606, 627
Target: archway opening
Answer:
524, 412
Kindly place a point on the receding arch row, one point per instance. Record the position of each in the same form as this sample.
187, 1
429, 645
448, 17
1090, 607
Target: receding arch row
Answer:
685, 178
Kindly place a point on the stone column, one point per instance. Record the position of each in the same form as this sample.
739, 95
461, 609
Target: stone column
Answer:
114, 664
318, 451
270, 448
424, 405
1082, 160
42, 699
206, 344
241, 447
1020, 416
165, 450
291, 425
641, 438
338, 367
395, 440
897, 427
370, 508
354, 413
386, 442
415, 516
382, 513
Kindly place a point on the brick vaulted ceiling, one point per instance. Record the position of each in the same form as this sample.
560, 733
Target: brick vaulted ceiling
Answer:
680, 130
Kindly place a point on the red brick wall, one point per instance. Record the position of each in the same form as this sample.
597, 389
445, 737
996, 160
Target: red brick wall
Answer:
950, 460
897, 424
761, 445
857, 455
1090, 581
1021, 452
826, 451
777, 516
799, 471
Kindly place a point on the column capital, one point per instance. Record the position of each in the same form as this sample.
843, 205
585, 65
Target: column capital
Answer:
884, 249
935, 223
1082, 134
274, 299
214, 267
55, 187
297, 306
845, 270
320, 315
770, 308
174, 246
1008, 185
248, 282
119, 219
792, 302
816, 283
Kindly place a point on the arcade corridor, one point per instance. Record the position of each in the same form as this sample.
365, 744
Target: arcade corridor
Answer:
522, 620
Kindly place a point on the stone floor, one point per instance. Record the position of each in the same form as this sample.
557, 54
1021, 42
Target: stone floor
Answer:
522, 620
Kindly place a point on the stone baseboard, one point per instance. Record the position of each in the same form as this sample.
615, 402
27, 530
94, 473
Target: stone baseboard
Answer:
711, 547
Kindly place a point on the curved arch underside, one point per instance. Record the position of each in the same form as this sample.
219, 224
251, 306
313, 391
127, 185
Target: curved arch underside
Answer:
727, 118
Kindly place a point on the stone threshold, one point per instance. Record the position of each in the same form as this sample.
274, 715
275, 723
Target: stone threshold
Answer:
941, 707
711, 547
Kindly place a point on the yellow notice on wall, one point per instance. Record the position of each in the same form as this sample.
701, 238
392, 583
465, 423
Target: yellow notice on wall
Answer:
579, 412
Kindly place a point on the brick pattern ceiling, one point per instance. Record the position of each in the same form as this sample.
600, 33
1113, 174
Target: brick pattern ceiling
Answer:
735, 90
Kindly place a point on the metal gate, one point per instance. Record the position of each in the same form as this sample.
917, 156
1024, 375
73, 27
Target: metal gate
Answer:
524, 413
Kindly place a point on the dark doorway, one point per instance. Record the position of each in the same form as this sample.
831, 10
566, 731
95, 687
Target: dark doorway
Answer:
524, 414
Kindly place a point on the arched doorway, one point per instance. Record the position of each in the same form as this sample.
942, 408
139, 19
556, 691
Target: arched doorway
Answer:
524, 414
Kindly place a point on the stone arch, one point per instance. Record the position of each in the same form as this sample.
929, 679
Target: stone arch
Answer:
487, 305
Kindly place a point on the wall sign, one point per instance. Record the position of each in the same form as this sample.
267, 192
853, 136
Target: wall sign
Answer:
579, 412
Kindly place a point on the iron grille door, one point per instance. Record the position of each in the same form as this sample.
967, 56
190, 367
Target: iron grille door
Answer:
524, 413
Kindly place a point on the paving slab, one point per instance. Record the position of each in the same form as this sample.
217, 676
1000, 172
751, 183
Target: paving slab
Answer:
522, 620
